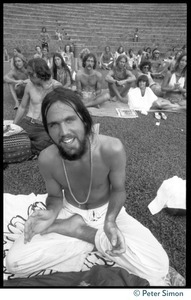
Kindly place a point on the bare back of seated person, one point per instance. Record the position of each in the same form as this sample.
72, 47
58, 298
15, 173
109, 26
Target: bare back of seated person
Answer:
79, 172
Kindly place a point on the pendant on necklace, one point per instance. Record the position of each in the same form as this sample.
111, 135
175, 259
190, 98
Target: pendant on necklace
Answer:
79, 205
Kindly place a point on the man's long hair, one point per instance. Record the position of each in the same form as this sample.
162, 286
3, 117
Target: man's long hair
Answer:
177, 65
120, 48
40, 67
86, 57
63, 64
70, 49
70, 98
120, 57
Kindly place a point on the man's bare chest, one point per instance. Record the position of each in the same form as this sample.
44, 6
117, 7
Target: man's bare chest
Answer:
89, 80
37, 95
79, 176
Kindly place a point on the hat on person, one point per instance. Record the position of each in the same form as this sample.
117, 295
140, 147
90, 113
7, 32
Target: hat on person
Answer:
171, 194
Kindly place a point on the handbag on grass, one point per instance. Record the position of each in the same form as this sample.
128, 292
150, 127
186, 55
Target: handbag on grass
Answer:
16, 143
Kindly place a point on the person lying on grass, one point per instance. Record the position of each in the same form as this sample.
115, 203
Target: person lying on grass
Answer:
90, 169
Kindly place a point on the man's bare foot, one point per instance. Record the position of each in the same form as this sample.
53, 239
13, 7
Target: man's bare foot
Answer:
73, 227
69, 227
92, 104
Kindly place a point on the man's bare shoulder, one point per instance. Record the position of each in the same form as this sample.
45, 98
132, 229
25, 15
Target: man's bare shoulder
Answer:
29, 86
49, 156
110, 144
129, 73
98, 74
112, 151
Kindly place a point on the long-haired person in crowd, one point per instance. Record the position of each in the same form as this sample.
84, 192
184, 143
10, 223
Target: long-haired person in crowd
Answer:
132, 59
68, 56
16, 51
61, 71
44, 38
16, 78
174, 83
106, 59
119, 80
176, 56
28, 115
38, 53
47, 57
120, 51
82, 54
158, 66
147, 53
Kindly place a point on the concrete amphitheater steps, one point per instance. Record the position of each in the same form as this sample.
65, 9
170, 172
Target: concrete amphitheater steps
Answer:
95, 25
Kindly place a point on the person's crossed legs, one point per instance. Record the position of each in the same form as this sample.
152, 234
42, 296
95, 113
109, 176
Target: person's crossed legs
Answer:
120, 91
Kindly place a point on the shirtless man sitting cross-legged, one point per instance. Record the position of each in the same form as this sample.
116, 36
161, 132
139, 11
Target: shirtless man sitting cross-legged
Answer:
119, 80
89, 81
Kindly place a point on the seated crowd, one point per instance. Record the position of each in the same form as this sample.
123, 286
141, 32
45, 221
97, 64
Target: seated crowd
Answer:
130, 78
51, 106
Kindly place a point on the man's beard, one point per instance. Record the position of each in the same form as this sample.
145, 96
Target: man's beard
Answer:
75, 156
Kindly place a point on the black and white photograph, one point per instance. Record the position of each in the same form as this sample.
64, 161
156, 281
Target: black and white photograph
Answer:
94, 146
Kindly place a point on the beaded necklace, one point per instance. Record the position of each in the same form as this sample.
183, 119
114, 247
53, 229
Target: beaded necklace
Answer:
90, 185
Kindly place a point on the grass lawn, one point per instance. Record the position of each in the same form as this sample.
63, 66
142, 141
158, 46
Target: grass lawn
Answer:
154, 154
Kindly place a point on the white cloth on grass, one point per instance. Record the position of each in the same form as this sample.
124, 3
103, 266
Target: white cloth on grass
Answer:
171, 194
144, 255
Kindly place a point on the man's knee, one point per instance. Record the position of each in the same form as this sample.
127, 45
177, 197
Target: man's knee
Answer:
106, 96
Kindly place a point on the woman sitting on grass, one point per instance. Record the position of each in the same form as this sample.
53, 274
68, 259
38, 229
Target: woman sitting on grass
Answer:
16, 78
145, 68
174, 83
142, 98
61, 71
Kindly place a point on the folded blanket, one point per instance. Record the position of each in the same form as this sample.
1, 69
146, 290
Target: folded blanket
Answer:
117, 109
112, 109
